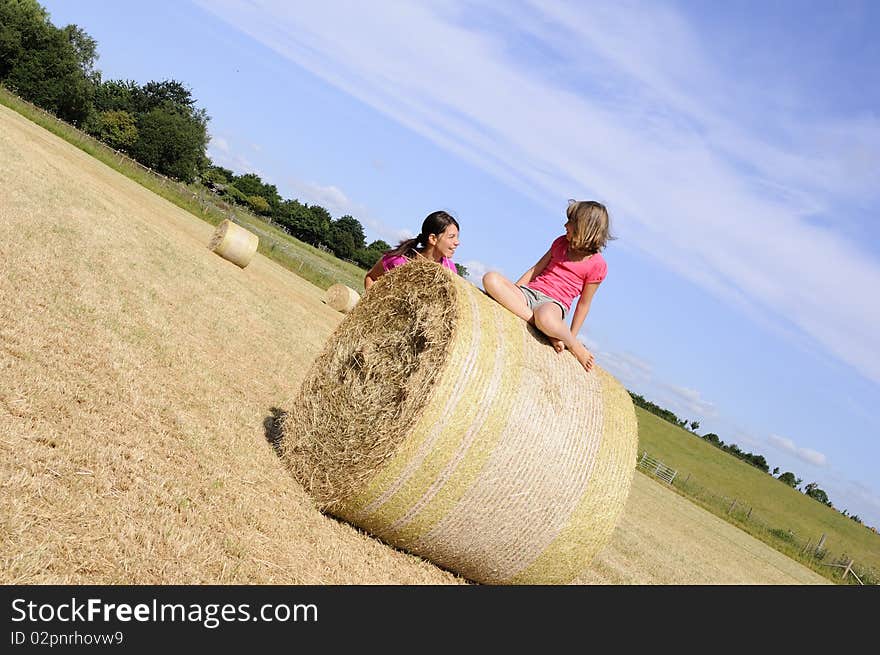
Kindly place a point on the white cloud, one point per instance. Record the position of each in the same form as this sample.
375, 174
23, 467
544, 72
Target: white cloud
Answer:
689, 183
632, 371
689, 400
805, 454
231, 160
638, 375
220, 144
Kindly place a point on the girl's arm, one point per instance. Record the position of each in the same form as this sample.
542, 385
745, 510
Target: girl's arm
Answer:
373, 274
535, 270
583, 307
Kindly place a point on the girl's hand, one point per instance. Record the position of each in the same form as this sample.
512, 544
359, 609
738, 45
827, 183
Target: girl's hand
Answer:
558, 345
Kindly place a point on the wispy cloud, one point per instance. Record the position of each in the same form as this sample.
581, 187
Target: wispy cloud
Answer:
805, 454
220, 144
223, 155
335, 200
638, 375
476, 271
647, 126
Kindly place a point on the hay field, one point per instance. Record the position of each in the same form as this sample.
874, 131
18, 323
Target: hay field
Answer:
139, 378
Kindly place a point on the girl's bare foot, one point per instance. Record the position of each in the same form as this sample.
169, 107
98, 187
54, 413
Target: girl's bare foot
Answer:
558, 344
584, 356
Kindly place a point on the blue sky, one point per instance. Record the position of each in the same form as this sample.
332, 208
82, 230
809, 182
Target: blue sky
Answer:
736, 145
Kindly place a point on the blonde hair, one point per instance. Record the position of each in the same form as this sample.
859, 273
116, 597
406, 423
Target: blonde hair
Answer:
592, 226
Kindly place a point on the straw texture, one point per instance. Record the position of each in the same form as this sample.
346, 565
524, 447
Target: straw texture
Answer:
342, 298
234, 243
444, 425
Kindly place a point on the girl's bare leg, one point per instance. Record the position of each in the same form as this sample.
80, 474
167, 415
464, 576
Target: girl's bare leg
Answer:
507, 294
548, 319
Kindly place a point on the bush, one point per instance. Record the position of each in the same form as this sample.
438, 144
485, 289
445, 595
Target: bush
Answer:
258, 204
117, 129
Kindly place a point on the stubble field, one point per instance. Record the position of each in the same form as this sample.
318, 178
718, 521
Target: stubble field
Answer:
139, 377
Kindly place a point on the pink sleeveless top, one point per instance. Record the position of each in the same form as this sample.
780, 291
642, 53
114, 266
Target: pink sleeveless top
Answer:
563, 279
393, 261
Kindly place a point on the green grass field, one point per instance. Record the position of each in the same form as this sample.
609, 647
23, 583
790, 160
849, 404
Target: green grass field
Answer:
714, 479
708, 476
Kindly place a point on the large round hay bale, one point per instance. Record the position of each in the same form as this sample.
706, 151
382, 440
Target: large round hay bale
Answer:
342, 298
234, 243
441, 423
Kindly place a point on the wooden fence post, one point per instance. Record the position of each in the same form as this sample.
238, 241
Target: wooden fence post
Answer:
732, 505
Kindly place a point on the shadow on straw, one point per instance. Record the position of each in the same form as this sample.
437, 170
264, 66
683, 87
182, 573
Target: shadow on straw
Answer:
272, 428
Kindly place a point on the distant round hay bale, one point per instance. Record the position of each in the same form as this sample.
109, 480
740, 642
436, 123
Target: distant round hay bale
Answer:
233, 242
342, 298
441, 423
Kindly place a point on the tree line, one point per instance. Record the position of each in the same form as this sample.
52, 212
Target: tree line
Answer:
158, 124
788, 478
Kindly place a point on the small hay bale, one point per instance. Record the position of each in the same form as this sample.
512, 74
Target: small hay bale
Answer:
342, 298
234, 243
442, 424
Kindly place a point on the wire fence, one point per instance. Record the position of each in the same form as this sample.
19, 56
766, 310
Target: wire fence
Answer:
810, 550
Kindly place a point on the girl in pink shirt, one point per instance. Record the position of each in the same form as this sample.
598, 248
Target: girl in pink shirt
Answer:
437, 242
573, 266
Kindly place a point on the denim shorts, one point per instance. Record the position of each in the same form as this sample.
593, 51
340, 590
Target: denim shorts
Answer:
535, 299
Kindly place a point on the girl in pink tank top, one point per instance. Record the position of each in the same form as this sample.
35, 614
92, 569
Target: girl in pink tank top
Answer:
437, 242
573, 266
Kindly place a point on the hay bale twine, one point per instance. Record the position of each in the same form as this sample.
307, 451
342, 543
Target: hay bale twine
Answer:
234, 243
342, 298
441, 423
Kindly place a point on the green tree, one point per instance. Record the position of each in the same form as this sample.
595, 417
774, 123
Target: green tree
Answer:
117, 129
214, 175
224, 175
154, 95
171, 143
789, 478
462, 271
318, 227
695, 425
250, 184
115, 95
367, 257
813, 491
712, 438
42, 64
775, 470
346, 237
86, 49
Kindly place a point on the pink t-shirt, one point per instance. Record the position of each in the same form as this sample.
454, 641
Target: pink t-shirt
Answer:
393, 261
562, 279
